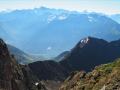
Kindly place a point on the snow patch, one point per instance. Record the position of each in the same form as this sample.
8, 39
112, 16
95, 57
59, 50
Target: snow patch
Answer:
51, 18
90, 19
36, 83
63, 17
49, 48
85, 40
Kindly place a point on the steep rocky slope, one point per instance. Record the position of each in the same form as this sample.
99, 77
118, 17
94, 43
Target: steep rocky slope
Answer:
103, 77
12, 75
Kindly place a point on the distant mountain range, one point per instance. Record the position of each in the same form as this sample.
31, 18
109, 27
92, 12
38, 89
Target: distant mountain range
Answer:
115, 17
49, 32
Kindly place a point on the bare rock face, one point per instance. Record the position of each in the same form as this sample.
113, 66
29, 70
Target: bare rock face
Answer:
12, 75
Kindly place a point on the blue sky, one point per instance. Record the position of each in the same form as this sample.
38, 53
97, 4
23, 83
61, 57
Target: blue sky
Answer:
104, 6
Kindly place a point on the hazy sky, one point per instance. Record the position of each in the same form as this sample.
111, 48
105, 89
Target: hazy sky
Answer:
104, 6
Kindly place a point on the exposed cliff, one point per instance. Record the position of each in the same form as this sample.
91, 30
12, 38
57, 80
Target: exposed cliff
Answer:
12, 75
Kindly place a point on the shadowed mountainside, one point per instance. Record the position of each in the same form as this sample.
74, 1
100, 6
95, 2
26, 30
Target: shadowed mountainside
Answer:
90, 52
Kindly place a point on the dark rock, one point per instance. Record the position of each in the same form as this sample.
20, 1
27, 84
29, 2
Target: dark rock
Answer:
48, 70
12, 76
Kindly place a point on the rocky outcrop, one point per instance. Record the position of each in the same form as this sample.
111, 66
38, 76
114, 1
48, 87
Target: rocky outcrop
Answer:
12, 75
103, 77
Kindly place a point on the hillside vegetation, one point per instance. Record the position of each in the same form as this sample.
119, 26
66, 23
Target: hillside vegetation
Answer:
103, 77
